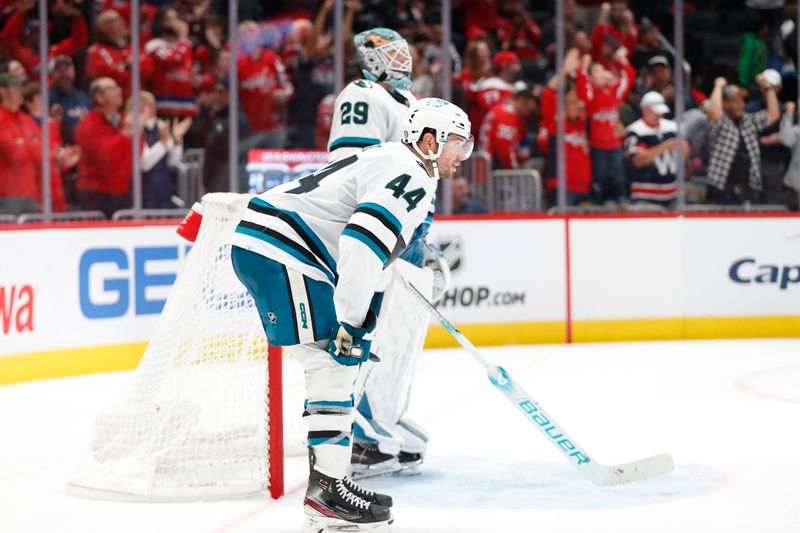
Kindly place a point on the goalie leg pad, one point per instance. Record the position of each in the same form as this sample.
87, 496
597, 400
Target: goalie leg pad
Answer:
398, 341
415, 439
369, 431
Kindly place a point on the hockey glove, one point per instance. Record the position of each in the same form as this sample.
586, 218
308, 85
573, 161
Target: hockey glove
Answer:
350, 345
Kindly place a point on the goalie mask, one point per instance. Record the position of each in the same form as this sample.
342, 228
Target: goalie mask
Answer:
382, 55
446, 119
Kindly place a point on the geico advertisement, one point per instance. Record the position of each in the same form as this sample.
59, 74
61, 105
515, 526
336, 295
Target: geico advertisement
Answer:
742, 267
503, 270
84, 287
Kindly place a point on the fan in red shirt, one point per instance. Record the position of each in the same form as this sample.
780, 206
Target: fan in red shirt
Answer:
27, 50
482, 14
104, 170
477, 66
264, 88
498, 88
146, 13
615, 22
520, 34
503, 130
603, 93
211, 42
170, 54
20, 151
110, 56
578, 163
62, 157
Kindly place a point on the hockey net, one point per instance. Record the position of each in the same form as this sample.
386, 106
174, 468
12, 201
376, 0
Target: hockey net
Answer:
201, 417
210, 410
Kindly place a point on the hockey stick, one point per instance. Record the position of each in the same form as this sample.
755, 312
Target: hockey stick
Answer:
593, 471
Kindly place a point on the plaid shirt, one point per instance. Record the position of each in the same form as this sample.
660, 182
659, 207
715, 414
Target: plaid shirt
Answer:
724, 141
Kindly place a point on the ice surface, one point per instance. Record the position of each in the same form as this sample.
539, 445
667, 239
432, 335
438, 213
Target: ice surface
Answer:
727, 411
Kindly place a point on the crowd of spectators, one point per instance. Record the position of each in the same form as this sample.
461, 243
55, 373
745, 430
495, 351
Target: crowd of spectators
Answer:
619, 80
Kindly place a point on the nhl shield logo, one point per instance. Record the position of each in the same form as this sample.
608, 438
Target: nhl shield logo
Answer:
453, 249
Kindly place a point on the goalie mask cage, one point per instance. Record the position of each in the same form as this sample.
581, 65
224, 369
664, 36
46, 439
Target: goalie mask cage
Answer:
202, 417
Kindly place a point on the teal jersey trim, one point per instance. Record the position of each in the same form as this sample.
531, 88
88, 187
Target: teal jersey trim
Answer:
353, 142
291, 251
326, 256
368, 242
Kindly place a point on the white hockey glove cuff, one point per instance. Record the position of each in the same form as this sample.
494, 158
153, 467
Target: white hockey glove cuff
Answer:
435, 260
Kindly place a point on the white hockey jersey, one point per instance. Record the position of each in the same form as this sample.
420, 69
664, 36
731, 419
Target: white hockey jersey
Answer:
365, 113
343, 224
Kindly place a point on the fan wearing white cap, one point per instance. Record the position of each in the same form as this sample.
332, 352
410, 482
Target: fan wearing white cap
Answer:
650, 145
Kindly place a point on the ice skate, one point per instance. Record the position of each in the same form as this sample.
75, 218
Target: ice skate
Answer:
367, 461
370, 496
410, 464
330, 506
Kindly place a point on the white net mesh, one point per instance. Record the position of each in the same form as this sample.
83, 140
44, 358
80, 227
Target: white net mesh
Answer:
193, 421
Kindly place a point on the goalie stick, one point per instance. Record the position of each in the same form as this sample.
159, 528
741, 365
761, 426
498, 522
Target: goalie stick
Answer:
593, 471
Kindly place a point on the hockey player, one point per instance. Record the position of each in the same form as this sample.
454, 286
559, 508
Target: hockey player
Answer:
311, 253
370, 111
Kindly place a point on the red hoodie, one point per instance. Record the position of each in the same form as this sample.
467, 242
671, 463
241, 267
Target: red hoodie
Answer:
20, 155
502, 135
105, 60
602, 107
576, 146
105, 163
258, 79
628, 40
491, 91
171, 79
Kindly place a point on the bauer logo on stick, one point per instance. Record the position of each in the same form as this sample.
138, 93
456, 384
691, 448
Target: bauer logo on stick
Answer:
501, 379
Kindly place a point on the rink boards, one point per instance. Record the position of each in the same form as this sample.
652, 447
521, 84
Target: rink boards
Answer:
85, 298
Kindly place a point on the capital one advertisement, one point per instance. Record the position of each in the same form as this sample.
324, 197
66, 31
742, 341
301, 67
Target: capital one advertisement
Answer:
742, 267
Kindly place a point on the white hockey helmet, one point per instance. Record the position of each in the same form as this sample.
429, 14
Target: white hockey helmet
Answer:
442, 117
383, 55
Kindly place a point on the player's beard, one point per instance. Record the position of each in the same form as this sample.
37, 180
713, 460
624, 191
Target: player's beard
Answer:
448, 171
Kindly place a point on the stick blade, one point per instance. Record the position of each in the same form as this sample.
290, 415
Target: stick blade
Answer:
636, 471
